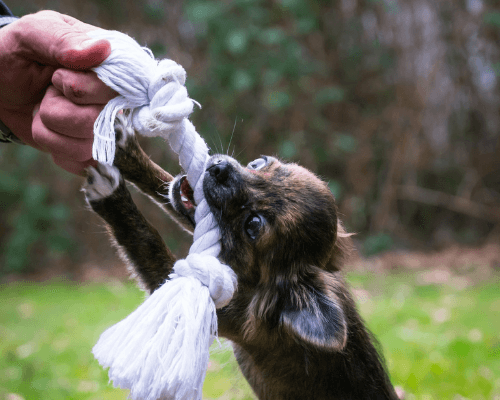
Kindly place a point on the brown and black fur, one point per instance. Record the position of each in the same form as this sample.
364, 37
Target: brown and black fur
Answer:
293, 323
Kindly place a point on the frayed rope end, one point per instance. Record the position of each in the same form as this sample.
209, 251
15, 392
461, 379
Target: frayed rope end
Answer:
161, 350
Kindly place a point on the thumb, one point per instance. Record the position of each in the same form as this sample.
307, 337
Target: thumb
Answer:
59, 40
82, 53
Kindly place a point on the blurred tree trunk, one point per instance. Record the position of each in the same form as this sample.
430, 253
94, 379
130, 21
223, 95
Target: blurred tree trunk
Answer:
394, 102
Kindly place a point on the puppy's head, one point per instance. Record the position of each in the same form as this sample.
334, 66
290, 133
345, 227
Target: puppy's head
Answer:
280, 234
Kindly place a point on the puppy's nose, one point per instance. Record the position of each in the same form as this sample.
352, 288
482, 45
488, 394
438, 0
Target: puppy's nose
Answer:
220, 171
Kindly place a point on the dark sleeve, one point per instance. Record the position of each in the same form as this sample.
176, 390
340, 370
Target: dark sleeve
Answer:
6, 16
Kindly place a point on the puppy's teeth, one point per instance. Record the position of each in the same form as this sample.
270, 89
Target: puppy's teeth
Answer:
184, 198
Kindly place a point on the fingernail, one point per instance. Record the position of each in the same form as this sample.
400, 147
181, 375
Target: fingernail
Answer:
88, 43
102, 47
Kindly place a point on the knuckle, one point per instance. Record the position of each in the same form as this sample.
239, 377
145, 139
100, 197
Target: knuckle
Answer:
77, 90
23, 25
44, 14
76, 86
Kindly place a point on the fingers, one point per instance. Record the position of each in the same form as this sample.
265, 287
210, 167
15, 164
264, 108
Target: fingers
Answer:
63, 128
60, 115
64, 123
82, 87
77, 149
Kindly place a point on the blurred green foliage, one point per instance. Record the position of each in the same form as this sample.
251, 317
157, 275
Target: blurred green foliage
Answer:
271, 65
154, 11
492, 18
249, 51
439, 341
378, 243
308, 86
36, 219
300, 79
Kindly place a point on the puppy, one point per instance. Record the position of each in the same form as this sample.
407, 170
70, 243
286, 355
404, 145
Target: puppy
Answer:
293, 324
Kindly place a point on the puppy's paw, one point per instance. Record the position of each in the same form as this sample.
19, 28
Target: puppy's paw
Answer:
124, 132
101, 182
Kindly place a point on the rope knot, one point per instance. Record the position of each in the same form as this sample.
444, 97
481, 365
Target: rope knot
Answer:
169, 102
217, 277
155, 90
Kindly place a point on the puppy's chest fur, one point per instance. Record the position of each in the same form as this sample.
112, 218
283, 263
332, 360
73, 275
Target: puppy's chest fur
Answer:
296, 331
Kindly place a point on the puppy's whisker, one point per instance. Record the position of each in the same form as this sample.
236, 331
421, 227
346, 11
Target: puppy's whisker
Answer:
221, 145
231, 138
214, 145
241, 151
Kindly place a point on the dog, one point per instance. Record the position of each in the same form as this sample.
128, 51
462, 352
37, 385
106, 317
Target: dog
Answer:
293, 323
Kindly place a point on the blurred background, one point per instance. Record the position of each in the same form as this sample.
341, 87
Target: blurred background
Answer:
394, 102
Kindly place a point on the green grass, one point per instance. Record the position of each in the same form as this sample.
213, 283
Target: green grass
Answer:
440, 342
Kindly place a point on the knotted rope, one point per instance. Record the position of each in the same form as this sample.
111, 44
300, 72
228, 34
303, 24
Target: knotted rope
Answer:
160, 351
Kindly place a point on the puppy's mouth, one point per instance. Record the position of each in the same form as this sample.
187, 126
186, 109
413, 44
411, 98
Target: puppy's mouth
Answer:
182, 198
187, 194
219, 186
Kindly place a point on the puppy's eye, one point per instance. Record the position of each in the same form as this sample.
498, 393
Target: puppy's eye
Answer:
257, 164
253, 225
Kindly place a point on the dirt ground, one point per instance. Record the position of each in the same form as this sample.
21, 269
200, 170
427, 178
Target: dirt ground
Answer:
462, 266
458, 265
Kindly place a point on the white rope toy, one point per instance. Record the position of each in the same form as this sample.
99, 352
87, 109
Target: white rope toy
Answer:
160, 351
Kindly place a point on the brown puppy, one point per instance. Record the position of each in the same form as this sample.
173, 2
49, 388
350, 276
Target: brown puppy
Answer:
293, 324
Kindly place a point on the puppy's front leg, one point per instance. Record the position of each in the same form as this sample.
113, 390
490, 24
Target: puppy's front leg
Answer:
139, 169
138, 242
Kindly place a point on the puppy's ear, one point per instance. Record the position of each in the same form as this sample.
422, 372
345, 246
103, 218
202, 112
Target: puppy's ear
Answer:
318, 320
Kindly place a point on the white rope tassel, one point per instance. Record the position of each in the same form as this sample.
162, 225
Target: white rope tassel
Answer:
160, 351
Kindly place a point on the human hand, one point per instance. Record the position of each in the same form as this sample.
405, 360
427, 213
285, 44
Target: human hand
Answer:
54, 118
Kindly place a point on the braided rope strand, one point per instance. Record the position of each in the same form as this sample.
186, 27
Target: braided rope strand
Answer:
161, 108
161, 349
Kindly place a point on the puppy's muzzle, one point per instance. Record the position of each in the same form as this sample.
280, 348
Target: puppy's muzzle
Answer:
222, 182
219, 171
